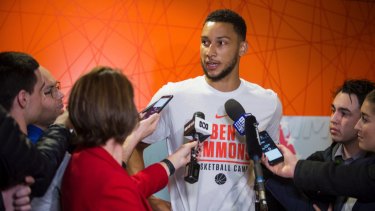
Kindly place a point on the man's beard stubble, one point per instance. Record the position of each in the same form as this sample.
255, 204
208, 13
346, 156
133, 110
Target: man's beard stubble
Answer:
224, 73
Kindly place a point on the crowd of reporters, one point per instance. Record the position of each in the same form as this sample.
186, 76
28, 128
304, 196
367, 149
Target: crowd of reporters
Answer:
80, 155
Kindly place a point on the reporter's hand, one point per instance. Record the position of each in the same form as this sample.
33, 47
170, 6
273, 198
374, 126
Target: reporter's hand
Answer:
285, 168
142, 130
158, 204
181, 156
146, 126
64, 120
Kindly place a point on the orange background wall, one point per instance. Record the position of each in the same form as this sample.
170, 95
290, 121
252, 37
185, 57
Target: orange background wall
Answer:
302, 49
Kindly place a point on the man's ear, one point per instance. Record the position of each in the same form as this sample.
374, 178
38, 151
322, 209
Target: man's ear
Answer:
22, 98
243, 48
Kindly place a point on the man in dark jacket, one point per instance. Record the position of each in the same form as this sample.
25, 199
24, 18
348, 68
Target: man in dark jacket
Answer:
21, 87
18, 157
345, 150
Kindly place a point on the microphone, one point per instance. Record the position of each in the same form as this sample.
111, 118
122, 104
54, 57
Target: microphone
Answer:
246, 123
200, 130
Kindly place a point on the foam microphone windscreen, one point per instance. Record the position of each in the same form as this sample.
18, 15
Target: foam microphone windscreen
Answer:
199, 114
234, 109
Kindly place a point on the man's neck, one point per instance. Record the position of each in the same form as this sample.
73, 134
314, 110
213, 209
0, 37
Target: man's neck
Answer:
226, 84
19, 118
351, 149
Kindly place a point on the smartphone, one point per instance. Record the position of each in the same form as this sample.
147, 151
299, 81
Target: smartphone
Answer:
270, 149
157, 106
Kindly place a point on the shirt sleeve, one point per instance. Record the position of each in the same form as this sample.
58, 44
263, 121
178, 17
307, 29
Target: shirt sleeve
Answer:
151, 179
273, 127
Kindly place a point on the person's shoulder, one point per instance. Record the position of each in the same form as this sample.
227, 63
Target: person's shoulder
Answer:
258, 89
326, 154
96, 163
369, 158
173, 87
370, 155
186, 82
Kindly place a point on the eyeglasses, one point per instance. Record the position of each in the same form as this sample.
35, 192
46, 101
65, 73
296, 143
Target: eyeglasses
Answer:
54, 91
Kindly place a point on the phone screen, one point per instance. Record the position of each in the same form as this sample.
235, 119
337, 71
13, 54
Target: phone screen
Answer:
270, 149
157, 106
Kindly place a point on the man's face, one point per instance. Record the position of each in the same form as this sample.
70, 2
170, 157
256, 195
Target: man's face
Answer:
33, 107
220, 50
345, 115
366, 127
52, 100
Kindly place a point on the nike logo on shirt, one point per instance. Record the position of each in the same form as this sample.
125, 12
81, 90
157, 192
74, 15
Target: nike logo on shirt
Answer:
219, 116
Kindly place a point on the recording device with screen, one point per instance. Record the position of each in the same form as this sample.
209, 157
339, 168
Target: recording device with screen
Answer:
270, 149
157, 106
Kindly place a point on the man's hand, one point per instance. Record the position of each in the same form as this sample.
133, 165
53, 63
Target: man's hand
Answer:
158, 204
18, 196
316, 207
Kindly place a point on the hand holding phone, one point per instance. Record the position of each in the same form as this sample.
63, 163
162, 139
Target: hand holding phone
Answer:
157, 106
270, 149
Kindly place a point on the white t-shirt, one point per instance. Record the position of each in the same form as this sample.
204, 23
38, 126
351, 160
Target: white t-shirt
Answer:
224, 171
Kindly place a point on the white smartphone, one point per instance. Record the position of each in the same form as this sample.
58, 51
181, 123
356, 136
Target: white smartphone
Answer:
270, 149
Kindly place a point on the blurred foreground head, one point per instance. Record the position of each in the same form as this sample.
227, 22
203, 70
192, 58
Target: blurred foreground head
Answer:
101, 107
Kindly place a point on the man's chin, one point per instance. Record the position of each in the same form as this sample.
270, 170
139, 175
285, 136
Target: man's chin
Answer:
211, 73
336, 139
213, 76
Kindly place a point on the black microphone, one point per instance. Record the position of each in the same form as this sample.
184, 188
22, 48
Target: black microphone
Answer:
246, 123
200, 130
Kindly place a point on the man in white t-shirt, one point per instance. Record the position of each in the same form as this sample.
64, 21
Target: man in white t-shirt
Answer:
224, 164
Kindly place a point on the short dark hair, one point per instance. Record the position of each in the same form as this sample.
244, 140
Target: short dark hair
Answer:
17, 72
229, 16
358, 87
101, 107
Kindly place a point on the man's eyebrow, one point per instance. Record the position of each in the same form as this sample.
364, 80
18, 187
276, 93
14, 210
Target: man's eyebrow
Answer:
340, 108
217, 38
344, 109
223, 37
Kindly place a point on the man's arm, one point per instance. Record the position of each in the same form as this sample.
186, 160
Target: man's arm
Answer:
355, 180
18, 157
135, 162
274, 123
52, 147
